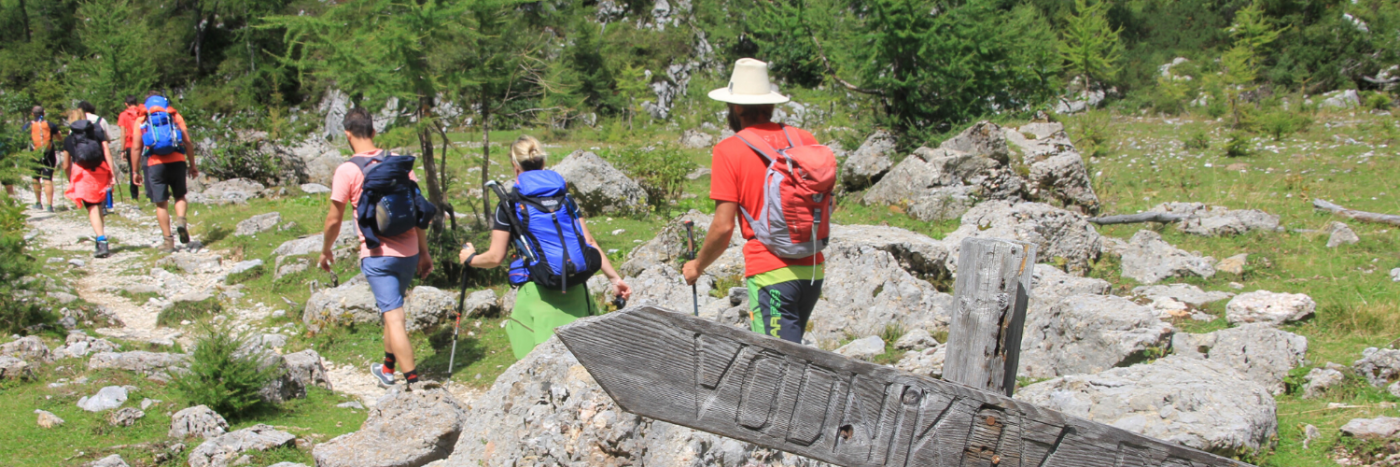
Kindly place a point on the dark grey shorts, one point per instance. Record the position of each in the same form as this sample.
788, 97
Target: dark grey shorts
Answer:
165, 181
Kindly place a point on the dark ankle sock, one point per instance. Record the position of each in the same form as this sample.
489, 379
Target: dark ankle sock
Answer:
389, 362
411, 376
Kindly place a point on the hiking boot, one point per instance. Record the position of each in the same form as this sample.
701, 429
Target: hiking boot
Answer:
103, 250
168, 246
38, 207
50, 208
385, 379
180, 228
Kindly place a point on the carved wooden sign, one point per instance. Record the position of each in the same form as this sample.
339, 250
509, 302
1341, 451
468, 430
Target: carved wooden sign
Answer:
729, 381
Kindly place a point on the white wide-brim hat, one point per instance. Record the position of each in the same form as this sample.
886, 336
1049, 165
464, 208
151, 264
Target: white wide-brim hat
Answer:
749, 85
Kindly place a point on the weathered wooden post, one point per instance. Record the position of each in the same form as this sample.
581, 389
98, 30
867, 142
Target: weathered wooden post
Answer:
989, 313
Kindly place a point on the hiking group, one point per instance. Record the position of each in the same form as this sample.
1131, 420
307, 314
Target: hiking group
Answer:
154, 142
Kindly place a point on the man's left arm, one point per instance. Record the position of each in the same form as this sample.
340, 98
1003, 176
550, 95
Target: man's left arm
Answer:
193, 171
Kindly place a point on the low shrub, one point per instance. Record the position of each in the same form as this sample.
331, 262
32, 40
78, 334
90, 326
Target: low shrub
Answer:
222, 377
1091, 133
1197, 139
243, 160
1377, 100
660, 169
19, 307
1280, 123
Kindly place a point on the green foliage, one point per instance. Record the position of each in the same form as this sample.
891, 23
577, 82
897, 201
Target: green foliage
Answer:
1376, 100
660, 169
116, 64
1197, 139
1090, 46
223, 376
245, 159
1238, 145
188, 311
1091, 132
18, 308
1240, 64
1281, 122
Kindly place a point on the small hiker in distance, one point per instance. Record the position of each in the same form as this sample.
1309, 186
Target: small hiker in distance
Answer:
778, 182
542, 222
42, 139
391, 219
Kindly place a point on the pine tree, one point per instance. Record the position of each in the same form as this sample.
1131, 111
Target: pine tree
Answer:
1240, 64
1089, 45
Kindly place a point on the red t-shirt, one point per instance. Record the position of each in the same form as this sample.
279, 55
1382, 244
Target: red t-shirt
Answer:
737, 176
127, 122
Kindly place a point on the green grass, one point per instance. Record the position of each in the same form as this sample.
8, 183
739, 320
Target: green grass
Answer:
189, 311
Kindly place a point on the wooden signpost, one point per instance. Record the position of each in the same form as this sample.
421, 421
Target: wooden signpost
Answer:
729, 381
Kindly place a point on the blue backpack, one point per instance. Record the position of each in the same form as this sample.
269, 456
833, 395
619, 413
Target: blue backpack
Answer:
390, 203
160, 134
545, 218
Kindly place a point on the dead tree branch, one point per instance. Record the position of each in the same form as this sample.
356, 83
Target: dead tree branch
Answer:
1150, 216
1362, 216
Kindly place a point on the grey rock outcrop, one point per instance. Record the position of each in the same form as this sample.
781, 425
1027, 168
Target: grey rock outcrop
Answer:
1082, 334
47, 419
425, 306
312, 243
1057, 233
599, 187
670, 245
1260, 352
1215, 221
546, 408
1057, 170
198, 421
927, 362
14, 368
405, 429
1185, 293
480, 302
984, 139
113, 460
106, 398
79, 344
1339, 234
1197, 403
140, 361
915, 340
192, 263
1149, 259
1262, 306
865, 348
1373, 428
696, 139
223, 450
1049, 282
297, 371
28, 348
917, 253
1341, 99
232, 191
664, 287
865, 289
257, 224
1319, 380
1378, 366
869, 162
125, 416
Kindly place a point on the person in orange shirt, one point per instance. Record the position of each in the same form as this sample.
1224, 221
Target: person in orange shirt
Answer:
165, 174
127, 121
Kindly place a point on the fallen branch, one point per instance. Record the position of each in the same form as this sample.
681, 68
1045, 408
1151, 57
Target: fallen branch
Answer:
1362, 216
1150, 216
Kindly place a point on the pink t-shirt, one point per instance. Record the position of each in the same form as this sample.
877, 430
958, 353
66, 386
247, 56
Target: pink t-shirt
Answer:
345, 187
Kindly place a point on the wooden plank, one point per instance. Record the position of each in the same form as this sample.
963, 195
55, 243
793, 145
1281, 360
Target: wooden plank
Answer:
989, 313
700, 374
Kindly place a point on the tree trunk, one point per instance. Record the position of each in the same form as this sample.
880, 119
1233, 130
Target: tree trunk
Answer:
425, 142
24, 17
485, 160
445, 186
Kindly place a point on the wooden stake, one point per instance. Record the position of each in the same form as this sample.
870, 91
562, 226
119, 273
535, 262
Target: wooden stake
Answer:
989, 313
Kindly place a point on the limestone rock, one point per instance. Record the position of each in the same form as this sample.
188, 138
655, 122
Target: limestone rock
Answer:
1057, 233
984, 139
140, 361
245, 266
866, 289
927, 362
1395, 275
14, 368
1262, 306
191, 263
315, 188
935, 184
403, 429
600, 188
1185, 293
223, 450
1378, 366
1233, 265
942, 203
1081, 334
664, 287
1394, 389
125, 416
1048, 282
237, 191
1148, 259
1197, 403
79, 344
1373, 428
670, 245
865, 348
106, 398
915, 340
312, 243
1339, 234
47, 419
113, 460
257, 224
870, 161
28, 348
427, 307
1341, 99
200, 421
1214, 221
917, 253
696, 139
1262, 353
1319, 380
353, 300
1064, 178
483, 302
286, 266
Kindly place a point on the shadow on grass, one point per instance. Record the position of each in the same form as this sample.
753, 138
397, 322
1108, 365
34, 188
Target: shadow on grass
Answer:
469, 350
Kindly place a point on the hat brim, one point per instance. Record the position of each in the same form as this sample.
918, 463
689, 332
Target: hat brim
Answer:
725, 95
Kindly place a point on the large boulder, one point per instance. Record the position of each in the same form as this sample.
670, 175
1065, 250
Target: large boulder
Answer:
984, 139
934, 184
79, 344
1378, 366
1262, 306
296, 371
865, 289
14, 368
140, 361
1080, 334
236, 191
257, 224
669, 245
1197, 403
404, 429
312, 243
696, 139
28, 348
223, 450
1214, 221
198, 421
1379, 428
599, 187
1060, 235
1260, 352
425, 307
1149, 259
1057, 171
917, 253
107, 398
664, 287
546, 410
865, 348
870, 161
1049, 283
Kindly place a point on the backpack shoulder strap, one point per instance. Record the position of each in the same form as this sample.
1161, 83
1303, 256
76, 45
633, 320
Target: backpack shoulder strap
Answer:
787, 133
764, 150
363, 162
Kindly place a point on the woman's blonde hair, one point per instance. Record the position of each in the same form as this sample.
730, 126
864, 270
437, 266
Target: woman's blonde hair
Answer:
527, 153
75, 115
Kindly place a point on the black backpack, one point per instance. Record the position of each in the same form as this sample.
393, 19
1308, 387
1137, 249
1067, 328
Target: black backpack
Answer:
390, 203
87, 148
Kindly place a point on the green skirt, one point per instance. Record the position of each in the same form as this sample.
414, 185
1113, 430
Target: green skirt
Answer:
538, 311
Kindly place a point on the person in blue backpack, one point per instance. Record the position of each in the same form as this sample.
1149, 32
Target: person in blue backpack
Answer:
164, 142
391, 218
555, 254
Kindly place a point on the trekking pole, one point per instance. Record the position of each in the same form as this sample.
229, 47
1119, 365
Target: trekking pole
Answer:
461, 300
690, 238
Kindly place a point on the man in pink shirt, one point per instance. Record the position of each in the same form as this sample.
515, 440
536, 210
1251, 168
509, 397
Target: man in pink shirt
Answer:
389, 268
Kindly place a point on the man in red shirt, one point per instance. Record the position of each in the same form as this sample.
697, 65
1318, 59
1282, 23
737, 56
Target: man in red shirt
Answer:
127, 122
782, 291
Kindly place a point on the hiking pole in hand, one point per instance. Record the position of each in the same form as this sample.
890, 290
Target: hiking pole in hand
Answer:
690, 239
461, 300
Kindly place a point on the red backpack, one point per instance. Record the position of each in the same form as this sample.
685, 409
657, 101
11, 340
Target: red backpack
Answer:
795, 220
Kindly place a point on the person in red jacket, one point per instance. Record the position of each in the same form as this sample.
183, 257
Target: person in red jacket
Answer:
127, 121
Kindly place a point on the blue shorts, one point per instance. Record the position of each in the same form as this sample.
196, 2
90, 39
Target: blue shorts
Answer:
388, 278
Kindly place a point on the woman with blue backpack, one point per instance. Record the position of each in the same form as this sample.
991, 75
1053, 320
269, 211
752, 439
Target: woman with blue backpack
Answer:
554, 252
